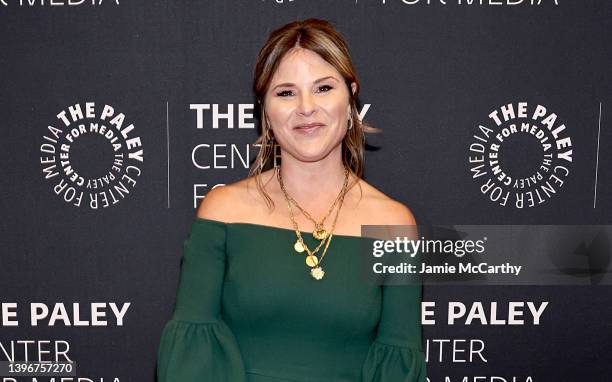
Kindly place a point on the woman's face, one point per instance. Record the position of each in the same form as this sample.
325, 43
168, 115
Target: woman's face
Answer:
307, 105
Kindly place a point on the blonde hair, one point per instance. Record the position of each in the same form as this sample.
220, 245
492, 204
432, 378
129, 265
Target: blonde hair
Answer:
322, 38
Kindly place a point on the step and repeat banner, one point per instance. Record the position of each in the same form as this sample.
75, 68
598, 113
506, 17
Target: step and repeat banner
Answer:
119, 116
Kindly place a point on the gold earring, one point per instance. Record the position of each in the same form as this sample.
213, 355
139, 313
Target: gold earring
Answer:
350, 126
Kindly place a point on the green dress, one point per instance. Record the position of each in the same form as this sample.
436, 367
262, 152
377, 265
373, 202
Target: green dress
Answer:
248, 310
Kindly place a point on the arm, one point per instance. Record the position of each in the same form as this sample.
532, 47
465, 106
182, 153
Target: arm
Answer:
396, 353
196, 344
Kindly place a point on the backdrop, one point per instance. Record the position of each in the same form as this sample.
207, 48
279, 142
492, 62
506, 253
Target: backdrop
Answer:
91, 242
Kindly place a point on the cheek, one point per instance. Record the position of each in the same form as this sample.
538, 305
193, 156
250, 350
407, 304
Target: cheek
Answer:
336, 105
279, 114
338, 112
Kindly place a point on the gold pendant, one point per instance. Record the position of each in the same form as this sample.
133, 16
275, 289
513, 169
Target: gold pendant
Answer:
312, 261
317, 273
320, 234
298, 246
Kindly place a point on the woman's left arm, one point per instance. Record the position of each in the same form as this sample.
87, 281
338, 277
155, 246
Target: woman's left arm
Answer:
396, 353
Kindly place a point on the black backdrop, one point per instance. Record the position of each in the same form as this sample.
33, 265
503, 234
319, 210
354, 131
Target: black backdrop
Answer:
431, 74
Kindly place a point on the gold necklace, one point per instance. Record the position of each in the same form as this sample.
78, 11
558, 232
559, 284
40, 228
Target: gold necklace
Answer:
311, 260
319, 233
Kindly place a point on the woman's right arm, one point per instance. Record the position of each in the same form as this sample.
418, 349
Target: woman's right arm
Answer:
196, 344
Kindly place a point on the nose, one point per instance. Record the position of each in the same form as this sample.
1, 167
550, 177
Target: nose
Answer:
307, 105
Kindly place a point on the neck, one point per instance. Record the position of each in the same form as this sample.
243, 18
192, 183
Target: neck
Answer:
319, 181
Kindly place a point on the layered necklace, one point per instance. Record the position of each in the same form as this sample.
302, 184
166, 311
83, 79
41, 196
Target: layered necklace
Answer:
319, 233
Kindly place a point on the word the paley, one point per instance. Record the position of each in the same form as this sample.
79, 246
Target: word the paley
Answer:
61, 314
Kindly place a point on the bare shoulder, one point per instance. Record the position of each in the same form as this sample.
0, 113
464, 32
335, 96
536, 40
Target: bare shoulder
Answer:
231, 202
216, 204
384, 210
223, 202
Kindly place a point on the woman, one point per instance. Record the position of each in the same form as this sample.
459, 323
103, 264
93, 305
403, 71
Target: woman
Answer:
270, 286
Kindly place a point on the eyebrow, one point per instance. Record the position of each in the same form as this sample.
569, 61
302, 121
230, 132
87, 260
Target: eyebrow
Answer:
288, 84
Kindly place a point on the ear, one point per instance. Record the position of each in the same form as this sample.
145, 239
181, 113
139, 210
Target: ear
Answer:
353, 87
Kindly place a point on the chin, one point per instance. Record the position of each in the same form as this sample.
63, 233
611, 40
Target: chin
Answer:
312, 151
313, 155
310, 157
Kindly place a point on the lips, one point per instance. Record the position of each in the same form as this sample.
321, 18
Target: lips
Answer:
308, 127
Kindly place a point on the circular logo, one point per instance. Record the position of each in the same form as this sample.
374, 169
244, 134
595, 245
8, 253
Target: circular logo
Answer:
91, 156
522, 156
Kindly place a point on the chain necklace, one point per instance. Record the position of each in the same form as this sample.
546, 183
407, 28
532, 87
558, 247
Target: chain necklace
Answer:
311, 260
319, 233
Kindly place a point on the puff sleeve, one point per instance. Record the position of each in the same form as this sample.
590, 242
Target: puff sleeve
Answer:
196, 344
396, 353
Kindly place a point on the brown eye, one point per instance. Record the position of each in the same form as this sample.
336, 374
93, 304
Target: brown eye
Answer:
284, 93
325, 88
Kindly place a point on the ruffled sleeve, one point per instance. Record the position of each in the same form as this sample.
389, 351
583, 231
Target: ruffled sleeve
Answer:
196, 344
396, 354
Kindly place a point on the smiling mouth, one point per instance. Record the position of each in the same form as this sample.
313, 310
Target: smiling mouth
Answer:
308, 127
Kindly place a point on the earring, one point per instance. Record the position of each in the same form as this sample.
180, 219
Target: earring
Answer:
350, 125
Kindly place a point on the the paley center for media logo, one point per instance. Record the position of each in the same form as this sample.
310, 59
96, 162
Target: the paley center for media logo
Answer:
521, 156
91, 155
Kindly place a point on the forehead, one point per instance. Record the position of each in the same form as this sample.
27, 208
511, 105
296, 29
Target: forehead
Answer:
303, 65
